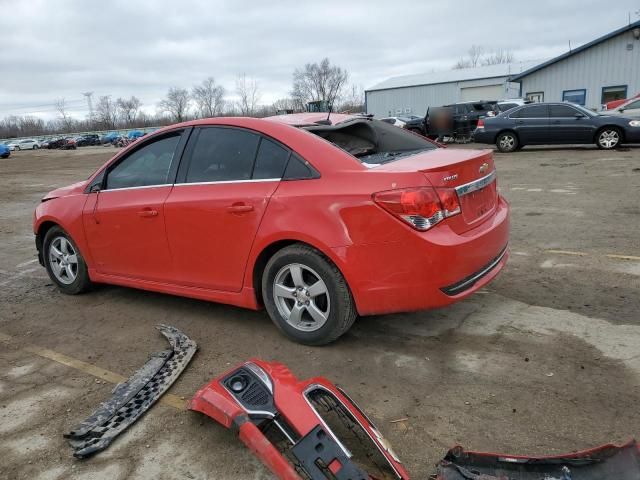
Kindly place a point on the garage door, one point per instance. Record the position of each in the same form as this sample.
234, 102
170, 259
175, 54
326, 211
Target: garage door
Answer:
487, 92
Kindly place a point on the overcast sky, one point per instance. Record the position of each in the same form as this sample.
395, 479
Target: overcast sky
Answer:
53, 49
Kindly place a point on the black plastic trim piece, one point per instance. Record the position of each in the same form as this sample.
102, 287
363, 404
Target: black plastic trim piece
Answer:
468, 282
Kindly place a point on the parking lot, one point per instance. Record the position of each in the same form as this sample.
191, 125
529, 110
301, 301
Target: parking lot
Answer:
544, 360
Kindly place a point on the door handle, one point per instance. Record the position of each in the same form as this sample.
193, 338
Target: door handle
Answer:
148, 213
240, 208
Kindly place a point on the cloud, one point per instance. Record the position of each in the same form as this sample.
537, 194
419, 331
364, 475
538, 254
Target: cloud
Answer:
121, 48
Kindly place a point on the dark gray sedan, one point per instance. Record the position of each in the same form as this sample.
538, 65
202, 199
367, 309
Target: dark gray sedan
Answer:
555, 124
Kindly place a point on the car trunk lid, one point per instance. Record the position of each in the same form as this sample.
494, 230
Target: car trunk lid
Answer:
470, 172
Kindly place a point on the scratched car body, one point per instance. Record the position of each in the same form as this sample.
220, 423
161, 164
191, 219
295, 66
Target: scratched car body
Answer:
317, 221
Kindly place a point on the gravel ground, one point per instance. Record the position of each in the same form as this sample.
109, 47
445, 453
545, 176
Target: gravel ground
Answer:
544, 360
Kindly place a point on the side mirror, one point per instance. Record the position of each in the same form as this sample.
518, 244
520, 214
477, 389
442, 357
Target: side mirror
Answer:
579, 116
621, 110
95, 188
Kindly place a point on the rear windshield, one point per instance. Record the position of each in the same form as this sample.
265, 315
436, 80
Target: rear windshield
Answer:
373, 142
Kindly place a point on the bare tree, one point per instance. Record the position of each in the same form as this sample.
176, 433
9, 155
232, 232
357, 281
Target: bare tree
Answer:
284, 105
318, 82
249, 92
176, 103
476, 57
66, 120
499, 57
209, 98
106, 113
353, 101
127, 109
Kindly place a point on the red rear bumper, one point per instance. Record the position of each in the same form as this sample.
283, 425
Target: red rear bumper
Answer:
427, 270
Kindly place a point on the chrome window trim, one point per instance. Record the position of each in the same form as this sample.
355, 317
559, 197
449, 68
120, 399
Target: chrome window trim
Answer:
222, 182
476, 185
132, 188
261, 374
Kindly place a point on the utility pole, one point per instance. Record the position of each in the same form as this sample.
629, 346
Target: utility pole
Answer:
89, 104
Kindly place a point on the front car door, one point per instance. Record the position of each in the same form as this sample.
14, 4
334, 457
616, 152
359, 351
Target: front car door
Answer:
124, 221
214, 211
569, 125
531, 122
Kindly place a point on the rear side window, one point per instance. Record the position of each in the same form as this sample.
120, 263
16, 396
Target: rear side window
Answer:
635, 104
270, 161
299, 169
222, 154
148, 165
533, 111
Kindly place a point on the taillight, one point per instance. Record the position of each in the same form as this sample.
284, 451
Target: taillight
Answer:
480, 123
420, 207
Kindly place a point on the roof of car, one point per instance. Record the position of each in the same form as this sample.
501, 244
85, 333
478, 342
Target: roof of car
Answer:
299, 119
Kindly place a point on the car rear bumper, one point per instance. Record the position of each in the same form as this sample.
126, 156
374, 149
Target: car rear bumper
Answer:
480, 135
428, 270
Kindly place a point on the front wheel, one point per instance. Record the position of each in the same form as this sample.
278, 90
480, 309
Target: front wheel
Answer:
608, 138
306, 296
35, 147
507, 142
64, 263
17, 148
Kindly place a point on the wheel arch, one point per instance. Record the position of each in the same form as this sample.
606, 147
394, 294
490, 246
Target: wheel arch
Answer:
262, 258
620, 129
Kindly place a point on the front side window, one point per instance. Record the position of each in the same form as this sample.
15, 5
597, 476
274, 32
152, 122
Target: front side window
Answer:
148, 165
222, 154
562, 111
575, 96
632, 105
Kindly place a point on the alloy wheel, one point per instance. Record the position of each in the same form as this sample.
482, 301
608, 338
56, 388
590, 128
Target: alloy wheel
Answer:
609, 138
301, 297
507, 142
63, 260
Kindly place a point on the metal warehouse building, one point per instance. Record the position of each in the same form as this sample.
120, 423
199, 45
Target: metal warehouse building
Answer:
413, 94
605, 69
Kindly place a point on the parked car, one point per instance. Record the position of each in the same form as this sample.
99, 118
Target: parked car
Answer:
504, 105
88, 140
223, 221
629, 108
25, 144
110, 138
464, 117
68, 143
55, 142
613, 104
5, 151
408, 122
556, 123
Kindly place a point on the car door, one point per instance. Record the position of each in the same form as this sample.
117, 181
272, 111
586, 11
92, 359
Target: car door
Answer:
215, 208
569, 125
124, 221
531, 123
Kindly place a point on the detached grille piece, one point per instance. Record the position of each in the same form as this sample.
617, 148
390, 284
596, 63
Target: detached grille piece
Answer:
133, 397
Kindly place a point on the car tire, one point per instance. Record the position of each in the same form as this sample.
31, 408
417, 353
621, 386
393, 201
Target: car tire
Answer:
507, 142
64, 262
306, 296
35, 147
609, 138
16, 148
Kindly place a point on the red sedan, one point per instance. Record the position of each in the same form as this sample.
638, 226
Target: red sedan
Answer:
318, 221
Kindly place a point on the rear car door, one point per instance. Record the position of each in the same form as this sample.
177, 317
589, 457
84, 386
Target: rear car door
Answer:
124, 222
568, 125
215, 209
531, 123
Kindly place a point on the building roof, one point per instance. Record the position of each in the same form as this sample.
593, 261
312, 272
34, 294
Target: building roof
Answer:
457, 75
581, 48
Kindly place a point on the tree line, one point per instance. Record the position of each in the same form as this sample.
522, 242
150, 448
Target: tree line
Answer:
320, 81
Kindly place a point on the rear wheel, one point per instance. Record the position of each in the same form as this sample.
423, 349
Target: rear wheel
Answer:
17, 148
306, 296
608, 138
35, 147
507, 142
64, 263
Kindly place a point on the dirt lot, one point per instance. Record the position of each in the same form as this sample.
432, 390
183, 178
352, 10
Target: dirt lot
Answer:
546, 359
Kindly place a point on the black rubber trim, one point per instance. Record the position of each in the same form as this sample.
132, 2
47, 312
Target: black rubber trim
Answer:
133, 397
469, 281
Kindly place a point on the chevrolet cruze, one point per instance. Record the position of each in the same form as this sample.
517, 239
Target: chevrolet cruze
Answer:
317, 220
